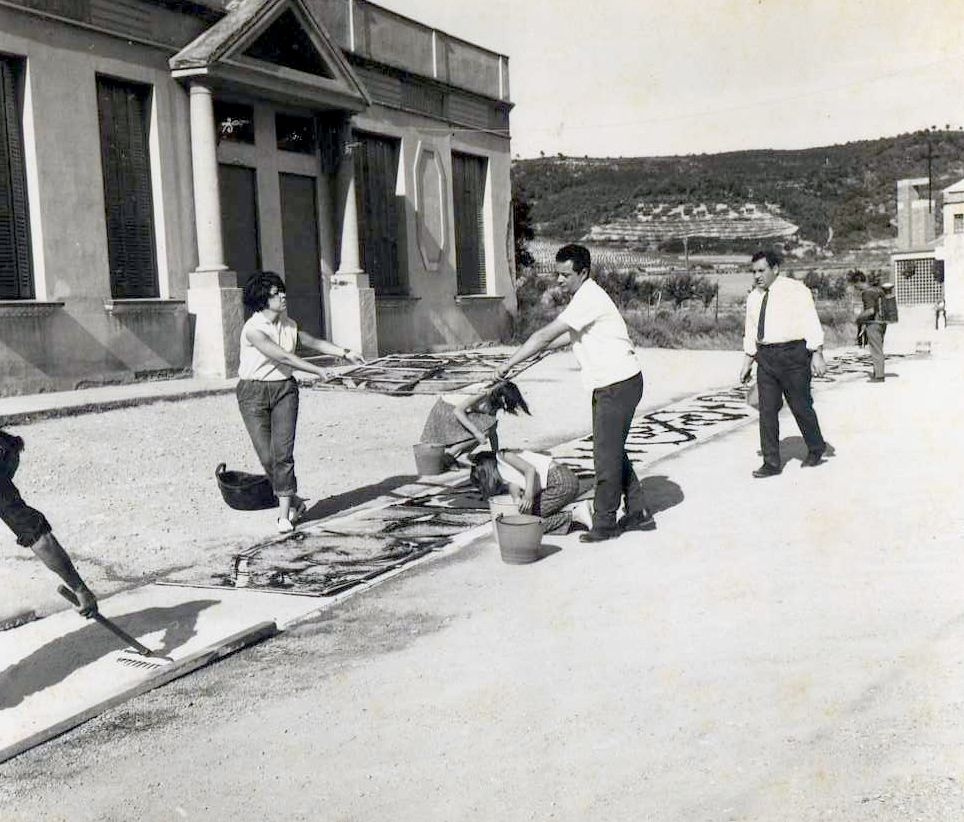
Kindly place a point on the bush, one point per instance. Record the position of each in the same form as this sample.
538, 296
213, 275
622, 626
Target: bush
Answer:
826, 286
540, 302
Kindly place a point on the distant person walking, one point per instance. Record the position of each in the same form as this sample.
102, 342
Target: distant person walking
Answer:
783, 334
870, 321
611, 371
268, 394
32, 529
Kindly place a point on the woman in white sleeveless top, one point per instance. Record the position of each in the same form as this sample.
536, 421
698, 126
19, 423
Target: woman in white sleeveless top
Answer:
267, 393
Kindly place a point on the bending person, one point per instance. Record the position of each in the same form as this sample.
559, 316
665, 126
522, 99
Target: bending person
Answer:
32, 529
539, 485
268, 394
467, 419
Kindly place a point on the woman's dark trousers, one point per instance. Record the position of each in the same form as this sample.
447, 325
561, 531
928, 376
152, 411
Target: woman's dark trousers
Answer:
270, 413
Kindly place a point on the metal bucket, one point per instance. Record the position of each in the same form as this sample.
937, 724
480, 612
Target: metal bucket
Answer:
429, 458
520, 538
499, 505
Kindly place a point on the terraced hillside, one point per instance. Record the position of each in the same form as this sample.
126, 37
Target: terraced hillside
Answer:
841, 197
719, 221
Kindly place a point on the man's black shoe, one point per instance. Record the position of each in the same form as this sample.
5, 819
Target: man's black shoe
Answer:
599, 534
638, 521
766, 471
812, 459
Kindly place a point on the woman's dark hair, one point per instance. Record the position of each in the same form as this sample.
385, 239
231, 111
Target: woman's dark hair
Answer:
485, 475
258, 288
506, 396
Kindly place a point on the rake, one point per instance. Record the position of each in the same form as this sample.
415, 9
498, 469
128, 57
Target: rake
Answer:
136, 647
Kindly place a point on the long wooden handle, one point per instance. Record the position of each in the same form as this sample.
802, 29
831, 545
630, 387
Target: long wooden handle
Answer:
71, 597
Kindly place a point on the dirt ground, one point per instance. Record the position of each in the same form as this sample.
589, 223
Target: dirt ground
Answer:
784, 649
131, 493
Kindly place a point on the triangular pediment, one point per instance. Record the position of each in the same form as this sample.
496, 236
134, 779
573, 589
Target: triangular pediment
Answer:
276, 47
286, 43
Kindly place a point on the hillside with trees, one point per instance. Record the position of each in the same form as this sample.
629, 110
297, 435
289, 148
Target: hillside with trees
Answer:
842, 197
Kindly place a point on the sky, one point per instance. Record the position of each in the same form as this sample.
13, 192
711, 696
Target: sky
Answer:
627, 78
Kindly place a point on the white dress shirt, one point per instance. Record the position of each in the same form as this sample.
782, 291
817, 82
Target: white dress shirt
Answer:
790, 315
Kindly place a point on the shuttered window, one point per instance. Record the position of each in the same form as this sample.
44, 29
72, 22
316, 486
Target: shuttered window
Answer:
376, 173
124, 117
16, 276
468, 192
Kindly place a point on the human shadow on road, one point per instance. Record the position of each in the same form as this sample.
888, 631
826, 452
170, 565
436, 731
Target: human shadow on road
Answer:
661, 492
55, 661
794, 448
357, 496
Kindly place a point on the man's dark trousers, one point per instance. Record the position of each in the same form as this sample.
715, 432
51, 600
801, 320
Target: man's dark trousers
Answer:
612, 413
875, 342
784, 370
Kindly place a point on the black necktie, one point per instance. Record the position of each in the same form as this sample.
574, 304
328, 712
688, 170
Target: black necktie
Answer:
761, 323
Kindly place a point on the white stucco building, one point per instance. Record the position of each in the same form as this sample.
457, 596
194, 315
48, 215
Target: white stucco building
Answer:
155, 152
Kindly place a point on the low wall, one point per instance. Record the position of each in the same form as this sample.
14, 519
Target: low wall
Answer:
415, 325
49, 348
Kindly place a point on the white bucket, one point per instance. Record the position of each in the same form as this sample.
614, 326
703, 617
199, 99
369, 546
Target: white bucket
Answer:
501, 504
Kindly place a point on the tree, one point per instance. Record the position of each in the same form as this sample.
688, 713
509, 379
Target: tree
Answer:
706, 290
522, 230
680, 287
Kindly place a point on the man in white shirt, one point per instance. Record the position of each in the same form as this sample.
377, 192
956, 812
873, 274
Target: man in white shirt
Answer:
783, 334
611, 371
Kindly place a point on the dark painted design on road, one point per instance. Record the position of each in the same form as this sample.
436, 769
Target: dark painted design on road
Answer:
333, 555
694, 420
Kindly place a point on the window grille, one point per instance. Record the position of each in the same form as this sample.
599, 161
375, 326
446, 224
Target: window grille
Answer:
914, 281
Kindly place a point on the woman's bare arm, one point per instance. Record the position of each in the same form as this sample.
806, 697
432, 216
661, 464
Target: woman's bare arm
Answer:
325, 347
275, 352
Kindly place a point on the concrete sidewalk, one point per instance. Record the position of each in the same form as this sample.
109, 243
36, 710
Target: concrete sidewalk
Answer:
30, 407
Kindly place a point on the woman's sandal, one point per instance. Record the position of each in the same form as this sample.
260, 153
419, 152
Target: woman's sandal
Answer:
296, 512
285, 526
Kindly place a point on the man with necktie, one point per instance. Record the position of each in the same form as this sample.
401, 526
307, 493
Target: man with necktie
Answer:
784, 336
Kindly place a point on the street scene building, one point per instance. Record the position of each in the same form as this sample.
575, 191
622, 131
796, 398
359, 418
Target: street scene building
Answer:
153, 153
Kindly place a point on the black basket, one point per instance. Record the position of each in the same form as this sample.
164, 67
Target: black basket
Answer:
245, 492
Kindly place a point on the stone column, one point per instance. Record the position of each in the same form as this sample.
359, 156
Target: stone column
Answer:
353, 318
213, 296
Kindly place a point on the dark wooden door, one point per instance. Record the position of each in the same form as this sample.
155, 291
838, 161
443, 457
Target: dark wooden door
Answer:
468, 193
16, 277
299, 226
376, 173
239, 219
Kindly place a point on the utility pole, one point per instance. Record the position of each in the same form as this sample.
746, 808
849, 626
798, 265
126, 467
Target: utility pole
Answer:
930, 175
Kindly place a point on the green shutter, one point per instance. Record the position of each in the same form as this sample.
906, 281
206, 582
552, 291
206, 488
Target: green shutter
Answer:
16, 275
124, 113
468, 194
376, 172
